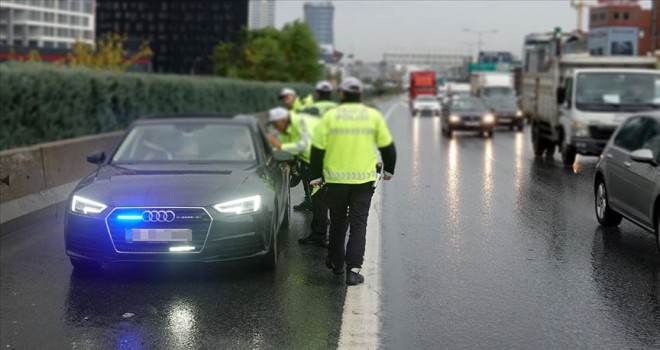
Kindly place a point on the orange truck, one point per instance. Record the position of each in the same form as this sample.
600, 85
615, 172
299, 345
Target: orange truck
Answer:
422, 83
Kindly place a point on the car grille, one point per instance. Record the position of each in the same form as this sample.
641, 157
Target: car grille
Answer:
195, 219
427, 113
601, 132
471, 118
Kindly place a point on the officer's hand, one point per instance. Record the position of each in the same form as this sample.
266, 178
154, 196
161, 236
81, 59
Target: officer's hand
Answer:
387, 176
274, 141
316, 183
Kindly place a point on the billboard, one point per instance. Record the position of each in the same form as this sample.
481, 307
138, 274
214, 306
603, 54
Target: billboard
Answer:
614, 41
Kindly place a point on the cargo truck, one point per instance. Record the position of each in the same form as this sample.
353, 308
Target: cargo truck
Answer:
421, 83
576, 101
496, 90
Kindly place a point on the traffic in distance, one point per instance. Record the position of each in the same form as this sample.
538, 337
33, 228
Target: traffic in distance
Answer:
602, 106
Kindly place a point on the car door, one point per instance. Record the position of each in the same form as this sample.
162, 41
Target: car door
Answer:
640, 178
618, 157
275, 171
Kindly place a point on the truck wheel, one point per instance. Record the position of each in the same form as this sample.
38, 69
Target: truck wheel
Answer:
605, 215
568, 155
550, 150
448, 132
520, 127
657, 227
537, 142
488, 134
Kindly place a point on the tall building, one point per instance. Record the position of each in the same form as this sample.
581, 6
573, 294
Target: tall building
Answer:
262, 14
181, 33
320, 19
37, 24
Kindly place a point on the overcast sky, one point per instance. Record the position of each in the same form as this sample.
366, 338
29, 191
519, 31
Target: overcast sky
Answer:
369, 27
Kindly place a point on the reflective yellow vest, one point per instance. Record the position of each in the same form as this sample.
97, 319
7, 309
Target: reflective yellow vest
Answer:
349, 135
297, 139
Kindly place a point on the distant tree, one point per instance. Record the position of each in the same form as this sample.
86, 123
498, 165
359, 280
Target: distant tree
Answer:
107, 53
270, 55
34, 56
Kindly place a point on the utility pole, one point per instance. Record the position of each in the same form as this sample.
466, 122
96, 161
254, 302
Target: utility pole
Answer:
480, 35
654, 27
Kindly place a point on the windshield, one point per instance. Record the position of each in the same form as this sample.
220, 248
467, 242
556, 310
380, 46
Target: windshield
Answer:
621, 90
467, 104
426, 98
186, 142
498, 91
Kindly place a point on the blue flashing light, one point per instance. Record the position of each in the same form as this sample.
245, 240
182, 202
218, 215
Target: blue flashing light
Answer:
129, 217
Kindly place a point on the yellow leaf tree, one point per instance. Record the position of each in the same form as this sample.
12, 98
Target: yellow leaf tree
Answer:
107, 53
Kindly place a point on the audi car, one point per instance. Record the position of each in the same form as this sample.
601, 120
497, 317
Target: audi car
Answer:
181, 188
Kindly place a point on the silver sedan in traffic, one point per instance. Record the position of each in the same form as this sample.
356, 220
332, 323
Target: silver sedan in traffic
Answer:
627, 180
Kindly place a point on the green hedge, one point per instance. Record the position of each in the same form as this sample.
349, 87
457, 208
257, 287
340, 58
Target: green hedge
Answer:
41, 103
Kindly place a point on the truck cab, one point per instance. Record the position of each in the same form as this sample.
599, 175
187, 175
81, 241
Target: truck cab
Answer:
592, 103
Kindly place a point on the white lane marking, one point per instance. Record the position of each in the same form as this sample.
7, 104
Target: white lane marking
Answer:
389, 112
360, 326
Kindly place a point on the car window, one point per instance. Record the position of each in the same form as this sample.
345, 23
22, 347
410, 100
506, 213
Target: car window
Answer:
186, 142
467, 104
628, 136
650, 138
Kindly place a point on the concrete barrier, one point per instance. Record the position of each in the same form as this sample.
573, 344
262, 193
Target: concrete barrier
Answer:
35, 180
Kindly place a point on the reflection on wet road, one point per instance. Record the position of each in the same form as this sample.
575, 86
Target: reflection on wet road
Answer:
486, 247
483, 247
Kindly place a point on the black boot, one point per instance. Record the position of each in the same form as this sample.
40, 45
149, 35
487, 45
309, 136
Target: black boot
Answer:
337, 270
353, 277
304, 205
313, 238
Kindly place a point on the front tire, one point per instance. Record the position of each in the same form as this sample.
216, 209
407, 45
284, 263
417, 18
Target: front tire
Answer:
604, 213
287, 213
269, 262
657, 227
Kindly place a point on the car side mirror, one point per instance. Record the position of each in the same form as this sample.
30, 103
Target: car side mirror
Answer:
282, 156
561, 95
97, 157
643, 156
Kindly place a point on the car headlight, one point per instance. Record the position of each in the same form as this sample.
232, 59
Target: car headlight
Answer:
240, 206
488, 118
86, 206
579, 129
454, 119
519, 114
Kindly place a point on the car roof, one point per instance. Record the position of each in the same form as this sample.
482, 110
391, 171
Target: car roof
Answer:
230, 119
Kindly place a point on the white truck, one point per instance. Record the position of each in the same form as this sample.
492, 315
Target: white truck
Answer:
577, 101
496, 90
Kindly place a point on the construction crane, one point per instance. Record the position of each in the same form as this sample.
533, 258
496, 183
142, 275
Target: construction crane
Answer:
579, 6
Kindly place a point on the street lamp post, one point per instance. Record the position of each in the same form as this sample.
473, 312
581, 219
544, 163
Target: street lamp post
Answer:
480, 34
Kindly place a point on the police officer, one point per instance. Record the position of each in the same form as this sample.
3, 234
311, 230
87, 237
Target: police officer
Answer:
296, 130
292, 102
324, 100
343, 161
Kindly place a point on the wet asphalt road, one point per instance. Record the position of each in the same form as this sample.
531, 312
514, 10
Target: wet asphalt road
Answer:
485, 247
44, 305
482, 247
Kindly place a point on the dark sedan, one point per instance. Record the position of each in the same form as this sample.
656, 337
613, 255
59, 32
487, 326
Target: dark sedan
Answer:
467, 114
181, 188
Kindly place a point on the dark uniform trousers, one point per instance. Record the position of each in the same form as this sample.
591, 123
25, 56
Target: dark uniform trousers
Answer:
320, 213
306, 179
339, 198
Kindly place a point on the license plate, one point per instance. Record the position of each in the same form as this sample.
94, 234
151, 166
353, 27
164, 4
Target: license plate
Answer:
471, 123
158, 235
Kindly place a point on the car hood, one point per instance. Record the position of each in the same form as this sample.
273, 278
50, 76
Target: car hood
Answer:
469, 113
502, 104
159, 186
